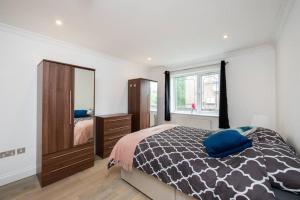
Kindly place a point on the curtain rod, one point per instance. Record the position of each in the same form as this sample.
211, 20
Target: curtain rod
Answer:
197, 67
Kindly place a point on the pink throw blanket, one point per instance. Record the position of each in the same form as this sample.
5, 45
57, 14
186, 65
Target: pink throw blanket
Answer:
123, 151
83, 131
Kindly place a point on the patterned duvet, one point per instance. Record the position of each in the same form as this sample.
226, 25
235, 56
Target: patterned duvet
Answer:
178, 158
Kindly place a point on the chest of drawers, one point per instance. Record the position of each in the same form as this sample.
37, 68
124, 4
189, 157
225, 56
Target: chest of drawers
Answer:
109, 129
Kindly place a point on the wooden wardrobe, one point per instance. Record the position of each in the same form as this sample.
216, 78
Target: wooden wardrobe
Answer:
142, 103
59, 154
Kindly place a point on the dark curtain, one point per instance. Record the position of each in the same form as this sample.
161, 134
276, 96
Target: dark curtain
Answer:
223, 110
167, 96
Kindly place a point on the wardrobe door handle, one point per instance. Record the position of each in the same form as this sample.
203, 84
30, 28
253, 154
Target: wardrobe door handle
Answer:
70, 102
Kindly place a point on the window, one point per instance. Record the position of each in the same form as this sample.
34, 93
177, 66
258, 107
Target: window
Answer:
186, 93
195, 92
210, 92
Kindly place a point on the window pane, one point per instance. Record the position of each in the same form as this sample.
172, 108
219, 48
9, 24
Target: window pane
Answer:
185, 88
210, 92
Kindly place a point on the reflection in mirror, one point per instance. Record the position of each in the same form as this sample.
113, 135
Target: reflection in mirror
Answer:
83, 106
153, 104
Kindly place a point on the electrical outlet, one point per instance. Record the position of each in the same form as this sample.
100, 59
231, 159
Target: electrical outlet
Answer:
21, 150
9, 153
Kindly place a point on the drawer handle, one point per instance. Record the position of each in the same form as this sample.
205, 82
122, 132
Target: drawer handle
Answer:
118, 128
75, 163
108, 148
116, 120
70, 102
114, 138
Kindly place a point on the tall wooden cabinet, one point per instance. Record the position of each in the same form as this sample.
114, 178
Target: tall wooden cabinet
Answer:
142, 103
57, 155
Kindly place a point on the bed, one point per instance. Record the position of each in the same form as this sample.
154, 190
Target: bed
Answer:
174, 163
83, 130
158, 190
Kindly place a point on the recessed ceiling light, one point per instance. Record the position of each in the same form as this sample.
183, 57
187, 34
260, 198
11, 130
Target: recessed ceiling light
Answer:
149, 58
225, 36
58, 22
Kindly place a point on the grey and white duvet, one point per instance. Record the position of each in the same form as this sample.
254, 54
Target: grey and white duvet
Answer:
178, 158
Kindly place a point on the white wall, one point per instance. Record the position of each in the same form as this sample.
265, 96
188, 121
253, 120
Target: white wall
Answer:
251, 79
250, 88
20, 52
288, 78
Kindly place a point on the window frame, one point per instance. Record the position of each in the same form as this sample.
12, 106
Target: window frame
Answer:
199, 91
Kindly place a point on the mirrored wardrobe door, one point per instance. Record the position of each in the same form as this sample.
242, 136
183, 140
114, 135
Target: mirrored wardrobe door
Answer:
153, 104
84, 109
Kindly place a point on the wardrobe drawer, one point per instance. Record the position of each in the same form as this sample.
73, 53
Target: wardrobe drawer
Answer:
63, 159
111, 138
112, 142
117, 123
117, 131
60, 173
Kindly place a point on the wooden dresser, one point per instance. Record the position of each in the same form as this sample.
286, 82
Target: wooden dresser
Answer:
109, 129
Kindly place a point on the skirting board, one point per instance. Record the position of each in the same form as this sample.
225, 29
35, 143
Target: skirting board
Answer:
17, 175
152, 187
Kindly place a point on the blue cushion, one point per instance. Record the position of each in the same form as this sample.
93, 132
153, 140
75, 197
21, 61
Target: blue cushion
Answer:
231, 151
226, 142
80, 113
245, 128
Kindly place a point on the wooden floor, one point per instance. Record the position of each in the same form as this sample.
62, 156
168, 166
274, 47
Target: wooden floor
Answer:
91, 184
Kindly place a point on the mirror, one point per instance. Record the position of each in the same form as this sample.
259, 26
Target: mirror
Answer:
153, 104
83, 106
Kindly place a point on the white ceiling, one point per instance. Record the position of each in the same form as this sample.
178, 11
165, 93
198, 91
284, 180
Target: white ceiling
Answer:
169, 31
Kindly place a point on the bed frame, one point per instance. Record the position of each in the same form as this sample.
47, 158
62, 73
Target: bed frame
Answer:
158, 190
151, 186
